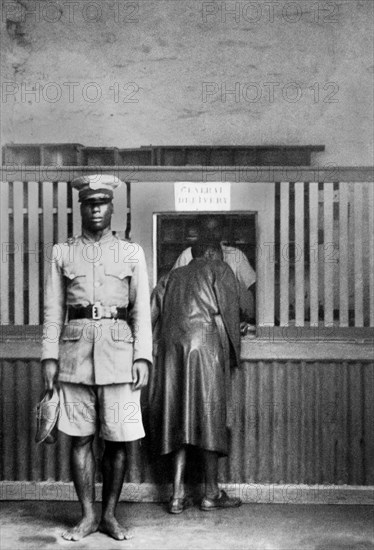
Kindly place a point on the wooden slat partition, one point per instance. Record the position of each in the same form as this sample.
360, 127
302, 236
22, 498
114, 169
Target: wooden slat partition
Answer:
313, 253
33, 244
293, 422
343, 254
358, 272
328, 196
18, 252
4, 263
341, 286
371, 251
299, 254
284, 253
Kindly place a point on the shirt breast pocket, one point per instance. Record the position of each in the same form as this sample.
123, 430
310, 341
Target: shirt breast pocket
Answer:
73, 274
118, 271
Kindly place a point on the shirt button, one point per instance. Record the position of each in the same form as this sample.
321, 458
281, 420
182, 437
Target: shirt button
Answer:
97, 284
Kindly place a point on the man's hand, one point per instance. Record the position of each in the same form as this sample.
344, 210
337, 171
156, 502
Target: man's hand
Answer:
49, 371
140, 374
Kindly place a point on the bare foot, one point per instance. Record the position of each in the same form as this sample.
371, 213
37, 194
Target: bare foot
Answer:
111, 527
85, 527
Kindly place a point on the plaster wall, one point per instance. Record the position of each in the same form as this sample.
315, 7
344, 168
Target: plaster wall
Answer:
120, 73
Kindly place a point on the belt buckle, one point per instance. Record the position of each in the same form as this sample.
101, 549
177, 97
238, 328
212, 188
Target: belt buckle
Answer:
97, 311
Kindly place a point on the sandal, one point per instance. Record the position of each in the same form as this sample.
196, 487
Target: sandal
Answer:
222, 501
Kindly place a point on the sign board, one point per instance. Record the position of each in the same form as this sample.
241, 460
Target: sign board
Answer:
202, 195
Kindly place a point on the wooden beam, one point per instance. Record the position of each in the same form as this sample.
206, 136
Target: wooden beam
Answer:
138, 174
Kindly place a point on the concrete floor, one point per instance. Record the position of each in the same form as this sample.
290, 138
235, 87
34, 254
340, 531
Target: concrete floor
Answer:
31, 525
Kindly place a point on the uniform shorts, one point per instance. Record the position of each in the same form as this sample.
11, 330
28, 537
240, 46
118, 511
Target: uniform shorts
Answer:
114, 408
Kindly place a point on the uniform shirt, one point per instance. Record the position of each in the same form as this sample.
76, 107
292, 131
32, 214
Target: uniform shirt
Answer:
110, 271
232, 256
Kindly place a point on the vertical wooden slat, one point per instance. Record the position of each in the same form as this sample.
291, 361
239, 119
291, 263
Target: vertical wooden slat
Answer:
270, 257
35, 389
33, 230
368, 417
22, 419
355, 451
299, 254
62, 212
317, 427
8, 432
371, 251
18, 252
328, 421
303, 439
309, 436
343, 442
4, 260
293, 418
264, 403
284, 253
76, 214
47, 191
249, 424
265, 264
328, 196
359, 318
280, 423
343, 254
313, 253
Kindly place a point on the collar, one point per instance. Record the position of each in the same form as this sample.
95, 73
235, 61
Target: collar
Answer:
88, 237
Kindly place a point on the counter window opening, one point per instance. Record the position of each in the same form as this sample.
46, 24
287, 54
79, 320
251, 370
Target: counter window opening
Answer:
176, 233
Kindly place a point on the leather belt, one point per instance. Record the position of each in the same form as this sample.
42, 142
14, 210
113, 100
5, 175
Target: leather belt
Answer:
97, 311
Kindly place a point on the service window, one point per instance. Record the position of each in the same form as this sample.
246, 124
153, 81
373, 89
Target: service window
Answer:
176, 232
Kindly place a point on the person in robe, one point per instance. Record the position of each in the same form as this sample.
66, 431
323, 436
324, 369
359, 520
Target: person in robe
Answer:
196, 320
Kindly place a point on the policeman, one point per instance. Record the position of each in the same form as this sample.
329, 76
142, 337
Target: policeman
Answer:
97, 344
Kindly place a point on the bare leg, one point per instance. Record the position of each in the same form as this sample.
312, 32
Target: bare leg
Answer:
114, 465
211, 473
133, 471
83, 470
179, 469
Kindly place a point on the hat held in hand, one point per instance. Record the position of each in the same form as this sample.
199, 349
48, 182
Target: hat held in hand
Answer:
47, 412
